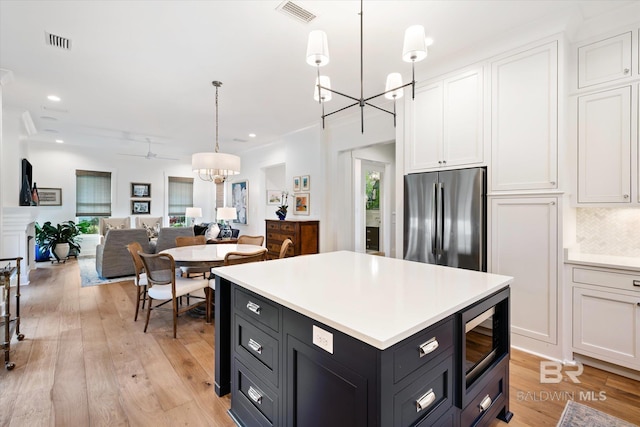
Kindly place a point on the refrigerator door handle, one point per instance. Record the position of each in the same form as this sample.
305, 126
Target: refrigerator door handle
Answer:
434, 217
441, 230
439, 220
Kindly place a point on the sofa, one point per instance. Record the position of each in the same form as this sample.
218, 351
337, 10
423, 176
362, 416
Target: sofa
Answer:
167, 237
113, 258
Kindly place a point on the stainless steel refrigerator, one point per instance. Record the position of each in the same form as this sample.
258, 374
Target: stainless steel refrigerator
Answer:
445, 218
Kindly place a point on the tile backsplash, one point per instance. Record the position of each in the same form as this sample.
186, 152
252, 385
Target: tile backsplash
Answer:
608, 231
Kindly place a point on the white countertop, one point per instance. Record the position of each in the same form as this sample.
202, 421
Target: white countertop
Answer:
606, 261
378, 300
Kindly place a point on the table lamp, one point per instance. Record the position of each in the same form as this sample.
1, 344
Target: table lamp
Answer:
226, 214
193, 213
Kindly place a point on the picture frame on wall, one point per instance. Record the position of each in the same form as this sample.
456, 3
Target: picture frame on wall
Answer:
302, 204
274, 197
50, 196
139, 190
296, 183
140, 207
305, 183
240, 201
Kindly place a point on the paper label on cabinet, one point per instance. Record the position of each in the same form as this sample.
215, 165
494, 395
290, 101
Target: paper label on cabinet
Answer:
323, 339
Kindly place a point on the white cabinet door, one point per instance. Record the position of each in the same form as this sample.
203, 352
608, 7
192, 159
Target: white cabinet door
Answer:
606, 325
524, 123
524, 244
425, 129
445, 126
604, 61
604, 147
463, 119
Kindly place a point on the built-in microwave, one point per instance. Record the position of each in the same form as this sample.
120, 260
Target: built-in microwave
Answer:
483, 336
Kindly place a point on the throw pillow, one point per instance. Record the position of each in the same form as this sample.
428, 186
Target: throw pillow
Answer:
113, 227
200, 229
152, 230
213, 231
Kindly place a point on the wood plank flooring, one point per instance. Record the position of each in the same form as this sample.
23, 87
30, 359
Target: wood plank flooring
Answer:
85, 362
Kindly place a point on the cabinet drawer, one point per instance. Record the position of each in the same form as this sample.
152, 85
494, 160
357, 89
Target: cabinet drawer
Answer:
253, 402
273, 236
257, 308
259, 348
273, 225
627, 282
427, 398
485, 405
422, 349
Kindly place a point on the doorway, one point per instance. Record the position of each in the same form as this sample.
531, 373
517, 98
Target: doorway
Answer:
372, 181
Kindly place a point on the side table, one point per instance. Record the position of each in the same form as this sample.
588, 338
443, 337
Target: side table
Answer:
222, 241
10, 324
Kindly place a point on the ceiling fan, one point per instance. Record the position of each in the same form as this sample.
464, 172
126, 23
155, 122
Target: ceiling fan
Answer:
150, 155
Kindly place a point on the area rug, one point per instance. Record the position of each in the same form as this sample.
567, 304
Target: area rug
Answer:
89, 275
576, 414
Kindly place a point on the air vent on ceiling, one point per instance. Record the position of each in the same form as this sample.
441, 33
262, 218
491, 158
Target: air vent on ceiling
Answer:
293, 10
57, 41
239, 140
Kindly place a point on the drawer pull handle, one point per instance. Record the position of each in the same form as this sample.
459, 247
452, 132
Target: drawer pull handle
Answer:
255, 346
253, 307
485, 404
255, 395
427, 399
428, 347
636, 283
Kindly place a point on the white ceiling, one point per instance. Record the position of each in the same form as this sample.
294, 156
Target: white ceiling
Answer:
143, 69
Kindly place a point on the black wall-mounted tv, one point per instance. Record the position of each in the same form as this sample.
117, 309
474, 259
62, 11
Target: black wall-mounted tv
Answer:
26, 183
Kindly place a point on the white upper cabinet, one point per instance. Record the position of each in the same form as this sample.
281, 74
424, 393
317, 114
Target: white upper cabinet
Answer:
524, 120
604, 147
446, 123
605, 60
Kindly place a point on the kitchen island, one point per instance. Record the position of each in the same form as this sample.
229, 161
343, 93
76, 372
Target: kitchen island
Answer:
345, 338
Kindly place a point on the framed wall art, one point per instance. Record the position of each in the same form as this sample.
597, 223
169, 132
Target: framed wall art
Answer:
140, 190
306, 183
240, 200
50, 196
140, 207
274, 197
301, 206
296, 183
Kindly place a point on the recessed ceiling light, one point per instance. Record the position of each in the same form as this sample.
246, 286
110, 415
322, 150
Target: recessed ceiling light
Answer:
53, 119
53, 98
252, 135
59, 141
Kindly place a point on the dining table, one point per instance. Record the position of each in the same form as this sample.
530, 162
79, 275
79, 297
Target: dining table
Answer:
209, 256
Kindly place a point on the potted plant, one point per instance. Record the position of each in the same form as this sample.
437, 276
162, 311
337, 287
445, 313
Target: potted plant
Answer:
61, 239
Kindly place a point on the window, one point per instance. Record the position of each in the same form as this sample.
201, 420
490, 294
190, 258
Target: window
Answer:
180, 198
93, 195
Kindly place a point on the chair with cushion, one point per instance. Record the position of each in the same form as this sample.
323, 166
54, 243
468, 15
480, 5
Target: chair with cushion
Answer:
106, 224
233, 258
113, 258
167, 237
150, 223
284, 248
165, 287
141, 277
250, 240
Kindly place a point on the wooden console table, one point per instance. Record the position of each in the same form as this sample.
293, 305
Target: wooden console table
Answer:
8, 323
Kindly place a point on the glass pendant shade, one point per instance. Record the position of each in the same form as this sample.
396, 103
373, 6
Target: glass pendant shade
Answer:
317, 49
325, 94
394, 80
415, 47
208, 166
226, 214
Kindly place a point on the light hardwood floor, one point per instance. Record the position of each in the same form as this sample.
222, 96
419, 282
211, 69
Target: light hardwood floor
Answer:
85, 362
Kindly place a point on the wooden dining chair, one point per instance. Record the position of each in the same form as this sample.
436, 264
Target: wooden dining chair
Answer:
193, 241
234, 257
250, 240
165, 287
285, 247
141, 277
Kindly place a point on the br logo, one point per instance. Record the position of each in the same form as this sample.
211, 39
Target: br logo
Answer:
551, 372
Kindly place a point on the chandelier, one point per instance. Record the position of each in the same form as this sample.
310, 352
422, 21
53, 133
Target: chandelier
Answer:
215, 167
414, 50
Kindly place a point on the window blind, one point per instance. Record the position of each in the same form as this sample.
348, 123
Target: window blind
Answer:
93, 193
180, 195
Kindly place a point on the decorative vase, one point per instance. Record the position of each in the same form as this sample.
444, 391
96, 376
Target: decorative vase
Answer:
42, 255
61, 251
282, 214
